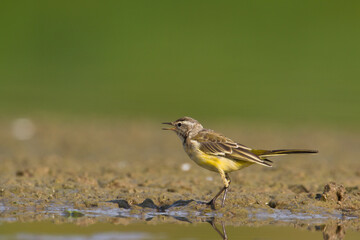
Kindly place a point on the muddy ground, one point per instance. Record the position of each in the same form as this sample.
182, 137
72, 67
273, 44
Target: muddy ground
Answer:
82, 164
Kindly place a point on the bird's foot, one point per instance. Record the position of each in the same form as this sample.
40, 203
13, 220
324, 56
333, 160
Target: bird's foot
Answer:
211, 203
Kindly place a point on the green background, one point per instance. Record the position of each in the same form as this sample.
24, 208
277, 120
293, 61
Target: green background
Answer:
274, 61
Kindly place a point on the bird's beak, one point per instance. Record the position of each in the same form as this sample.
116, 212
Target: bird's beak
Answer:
169, 123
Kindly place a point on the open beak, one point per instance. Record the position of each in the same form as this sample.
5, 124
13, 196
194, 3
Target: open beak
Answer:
169, 123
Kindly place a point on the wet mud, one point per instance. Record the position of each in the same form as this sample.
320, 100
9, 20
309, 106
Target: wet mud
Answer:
123, 172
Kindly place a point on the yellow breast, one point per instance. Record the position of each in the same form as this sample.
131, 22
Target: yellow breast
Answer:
212, 162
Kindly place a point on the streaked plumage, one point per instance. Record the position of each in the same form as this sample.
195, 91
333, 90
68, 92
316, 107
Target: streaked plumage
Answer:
218, 153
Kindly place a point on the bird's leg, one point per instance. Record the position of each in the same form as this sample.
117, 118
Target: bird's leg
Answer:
226, 180
226, 189
212, 201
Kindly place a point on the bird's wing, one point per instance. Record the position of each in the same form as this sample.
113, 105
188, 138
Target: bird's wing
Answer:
216, 144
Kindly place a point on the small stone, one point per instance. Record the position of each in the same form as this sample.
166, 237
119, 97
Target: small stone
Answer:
185, 167
272, 204
148, 203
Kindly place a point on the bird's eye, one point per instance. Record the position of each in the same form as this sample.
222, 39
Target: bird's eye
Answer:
179, 124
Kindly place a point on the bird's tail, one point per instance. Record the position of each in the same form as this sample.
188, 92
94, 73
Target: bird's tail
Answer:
267, 153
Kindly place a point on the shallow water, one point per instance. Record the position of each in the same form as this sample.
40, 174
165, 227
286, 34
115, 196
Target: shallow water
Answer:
110, 222
104, 231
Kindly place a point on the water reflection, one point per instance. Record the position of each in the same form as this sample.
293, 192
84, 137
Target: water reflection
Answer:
335, 231
222, 233
148, 203
217, 224
330, 231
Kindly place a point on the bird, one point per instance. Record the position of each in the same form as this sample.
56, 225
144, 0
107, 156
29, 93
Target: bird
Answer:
218, 153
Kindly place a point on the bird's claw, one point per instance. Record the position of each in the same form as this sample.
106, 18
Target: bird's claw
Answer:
211, 203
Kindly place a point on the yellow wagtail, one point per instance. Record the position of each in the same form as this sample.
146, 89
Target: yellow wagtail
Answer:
218, 153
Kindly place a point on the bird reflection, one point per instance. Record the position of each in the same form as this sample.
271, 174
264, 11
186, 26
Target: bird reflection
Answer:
330, 230
223, 233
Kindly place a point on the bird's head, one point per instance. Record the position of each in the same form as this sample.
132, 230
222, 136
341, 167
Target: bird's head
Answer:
184, 127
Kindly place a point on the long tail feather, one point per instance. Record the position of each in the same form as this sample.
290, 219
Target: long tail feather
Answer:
265, 153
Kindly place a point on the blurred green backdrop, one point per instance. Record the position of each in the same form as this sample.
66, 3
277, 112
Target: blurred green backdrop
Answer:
281, 61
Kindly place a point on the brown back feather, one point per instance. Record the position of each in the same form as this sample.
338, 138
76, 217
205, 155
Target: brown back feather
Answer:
219, 145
